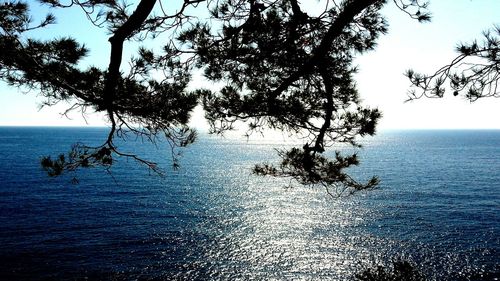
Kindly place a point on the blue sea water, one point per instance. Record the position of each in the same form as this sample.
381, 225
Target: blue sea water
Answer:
438, 206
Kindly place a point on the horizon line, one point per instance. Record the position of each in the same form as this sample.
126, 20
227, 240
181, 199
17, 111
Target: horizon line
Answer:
204, 129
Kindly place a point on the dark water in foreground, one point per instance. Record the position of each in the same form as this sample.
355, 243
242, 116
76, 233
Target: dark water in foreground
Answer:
438, 206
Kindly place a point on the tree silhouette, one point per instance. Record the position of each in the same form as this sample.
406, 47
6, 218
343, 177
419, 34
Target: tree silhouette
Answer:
282, 67
474, 73
401, 270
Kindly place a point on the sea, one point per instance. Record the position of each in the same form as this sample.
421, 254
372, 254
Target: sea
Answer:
437, 207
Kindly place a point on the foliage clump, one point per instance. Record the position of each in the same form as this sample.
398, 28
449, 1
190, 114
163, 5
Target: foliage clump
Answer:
400, 271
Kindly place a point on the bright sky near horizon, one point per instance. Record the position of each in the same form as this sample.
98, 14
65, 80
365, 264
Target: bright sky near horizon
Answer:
409, 44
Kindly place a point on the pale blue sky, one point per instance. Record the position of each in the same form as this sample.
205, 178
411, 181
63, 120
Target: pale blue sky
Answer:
424, 47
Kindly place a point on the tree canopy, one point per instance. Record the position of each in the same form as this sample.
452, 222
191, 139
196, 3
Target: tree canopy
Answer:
281, 65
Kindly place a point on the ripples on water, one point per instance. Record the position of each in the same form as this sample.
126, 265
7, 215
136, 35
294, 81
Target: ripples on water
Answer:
438, 206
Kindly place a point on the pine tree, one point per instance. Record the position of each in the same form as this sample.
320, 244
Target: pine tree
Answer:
473, 74
282, 67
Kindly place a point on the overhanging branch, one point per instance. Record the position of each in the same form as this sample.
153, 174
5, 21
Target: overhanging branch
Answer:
345, 17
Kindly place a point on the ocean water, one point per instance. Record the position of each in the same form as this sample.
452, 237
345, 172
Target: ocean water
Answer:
438, 206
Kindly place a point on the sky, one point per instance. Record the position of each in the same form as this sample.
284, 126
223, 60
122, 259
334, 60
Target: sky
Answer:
421, 46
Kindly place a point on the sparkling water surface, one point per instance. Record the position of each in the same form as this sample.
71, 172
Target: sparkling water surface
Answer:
438, 206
